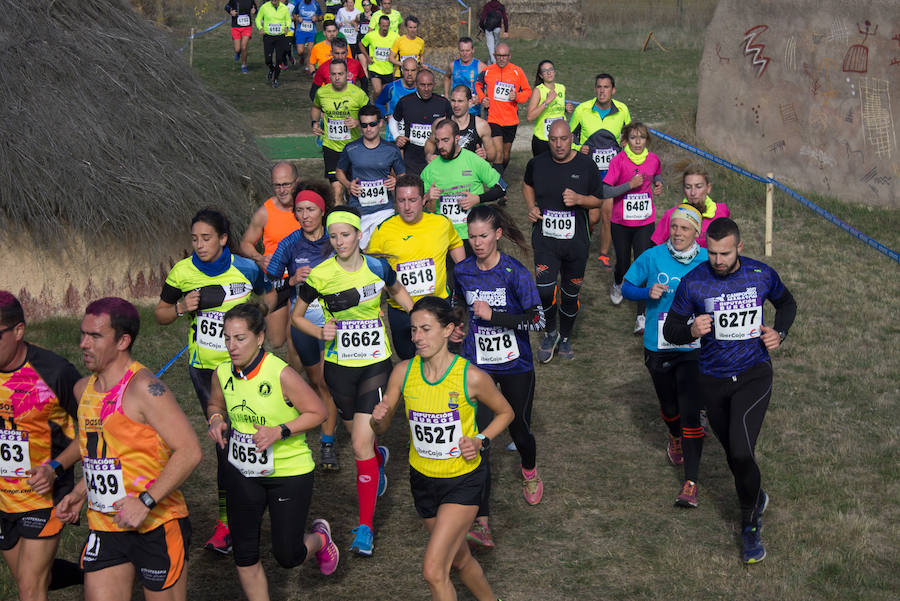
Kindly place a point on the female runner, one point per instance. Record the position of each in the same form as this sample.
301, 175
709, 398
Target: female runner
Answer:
697, 187
547, 104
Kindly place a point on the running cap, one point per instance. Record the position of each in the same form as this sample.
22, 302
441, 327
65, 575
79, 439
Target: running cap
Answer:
343, 217
688, 213
310, 196
328, 17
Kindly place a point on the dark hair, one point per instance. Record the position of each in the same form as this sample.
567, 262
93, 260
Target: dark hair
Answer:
640, 128
440, 308
339, 43
320, 187
346, 209
721, 228
384, 18
217, 221
11, 312
465, 40
463, 86
411, 18
123, 317
369, 110
445, 122
329, 22
497, 218
410, 180
337, 61
253, 314
538, 78
600, 76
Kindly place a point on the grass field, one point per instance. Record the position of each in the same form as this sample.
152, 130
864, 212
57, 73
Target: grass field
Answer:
606, 528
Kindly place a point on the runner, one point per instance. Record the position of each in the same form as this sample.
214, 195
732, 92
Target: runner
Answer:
339, 104
306, 14
39, 450
322, 51
503, 306
241, 11
376, 53
474, 132
356, 75
347, 19
697, 187
204, 286
547, 104
653, 277
633, 178
299, 252
726, 296
447, 474
502, 87
459, 179
416, 112
392, 15
559, 188
464, 71
357, 354
493, 14
365, 17
417, 246
137, 448
409, 45
333, 6
597, 126
392, 93
274, 21
269, 409
368, 168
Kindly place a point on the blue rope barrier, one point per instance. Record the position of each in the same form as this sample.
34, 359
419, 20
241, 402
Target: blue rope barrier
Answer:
171, 361
199, 33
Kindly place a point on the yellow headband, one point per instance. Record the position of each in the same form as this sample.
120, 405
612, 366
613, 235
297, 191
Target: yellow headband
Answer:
343, 217
690, 214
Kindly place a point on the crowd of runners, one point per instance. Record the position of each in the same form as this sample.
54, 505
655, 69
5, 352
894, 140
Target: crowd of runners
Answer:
386, 282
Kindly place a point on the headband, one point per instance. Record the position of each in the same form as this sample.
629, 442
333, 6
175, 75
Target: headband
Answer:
310, 196
343, 217
688, 213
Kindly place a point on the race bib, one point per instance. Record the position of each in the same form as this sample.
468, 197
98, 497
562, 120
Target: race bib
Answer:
602, 157
637, 207
15, 460
664, 345
435, 435
504, 92
243, 20
104, 482
548, 123
338, 130
559, 224
372, 193
382, 54
349, 31
364, 28
211, 330
307, 26
243, 455
360, 339
274, 28
418, 277
495, 345
452, 210
418, 133
738, 319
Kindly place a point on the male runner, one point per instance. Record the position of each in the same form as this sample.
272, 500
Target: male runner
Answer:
559, 187
274, 21
305, 15
322, 51
474, 132
339, 103
241, 12
409, 45
464, 71
376, 52
725, 296
137, 448
37, 452
355, 72
501, 88
393, 15
597, 129
368, 168
417, 245
394, 91
417, 112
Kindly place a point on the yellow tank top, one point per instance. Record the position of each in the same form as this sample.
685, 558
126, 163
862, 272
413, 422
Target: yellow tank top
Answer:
555, 110
439, 413
120, 457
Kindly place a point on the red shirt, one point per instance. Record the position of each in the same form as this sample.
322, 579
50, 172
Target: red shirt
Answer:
323, 75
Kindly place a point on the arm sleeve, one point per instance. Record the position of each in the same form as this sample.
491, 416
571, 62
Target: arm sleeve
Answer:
531, 319
524, 88
505, 19
634, 293
307, 292
398, 111
279, 259
676, 329
785, 311
394, 128
170, 294
614, 191
657, 178
313, 89
495, 193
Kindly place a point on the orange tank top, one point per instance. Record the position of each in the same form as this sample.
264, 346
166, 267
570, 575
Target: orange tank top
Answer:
120, 457
279, 224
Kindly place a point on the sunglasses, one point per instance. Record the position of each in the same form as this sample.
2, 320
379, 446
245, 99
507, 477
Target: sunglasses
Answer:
368, 123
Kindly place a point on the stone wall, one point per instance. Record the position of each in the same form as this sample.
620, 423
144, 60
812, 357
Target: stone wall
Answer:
807, 89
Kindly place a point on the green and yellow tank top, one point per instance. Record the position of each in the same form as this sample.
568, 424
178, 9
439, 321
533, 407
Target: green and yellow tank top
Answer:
555, 111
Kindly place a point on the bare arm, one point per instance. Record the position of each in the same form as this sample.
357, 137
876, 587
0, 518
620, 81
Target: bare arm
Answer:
399, 294
312, 410
458, 254
253, 234
481, 387
384, 411
535, 107
487, 140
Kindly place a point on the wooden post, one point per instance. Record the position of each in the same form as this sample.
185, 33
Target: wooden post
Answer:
469, 22
770, 189
191, 53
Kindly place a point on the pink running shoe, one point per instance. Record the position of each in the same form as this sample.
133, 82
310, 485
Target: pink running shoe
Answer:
480, 536
220, 541
328, 555
688, 496
674, 451
532, 488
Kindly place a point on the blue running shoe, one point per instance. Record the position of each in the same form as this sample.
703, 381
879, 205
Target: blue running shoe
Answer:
382, 477
754, 552
548, 345
244, 69
237, 56
362, 543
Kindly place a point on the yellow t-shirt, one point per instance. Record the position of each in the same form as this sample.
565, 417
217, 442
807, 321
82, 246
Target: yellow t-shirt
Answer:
406, 48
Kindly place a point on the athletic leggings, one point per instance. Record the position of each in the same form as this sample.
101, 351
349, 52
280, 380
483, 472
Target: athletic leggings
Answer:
735, 408
625, 240
280, 47
518, 389
674, 376
565, 260
539, 146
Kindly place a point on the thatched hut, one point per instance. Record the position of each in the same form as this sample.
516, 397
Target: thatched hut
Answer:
110, 145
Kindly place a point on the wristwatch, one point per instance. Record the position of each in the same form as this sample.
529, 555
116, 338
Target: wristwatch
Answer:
782, 335
147, 500
285, 432
485, 442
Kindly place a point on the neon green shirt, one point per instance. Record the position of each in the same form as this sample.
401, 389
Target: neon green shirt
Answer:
337, 106
556, 109
587, 121
466, 173
274, 21
395, 18
378, 48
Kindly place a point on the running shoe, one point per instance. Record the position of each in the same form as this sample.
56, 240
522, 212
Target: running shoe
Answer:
754, 552
244, 69
604, 260
328, 555
704, 421
283, 66
639, 323
237, 56
329, 460
480, 536
275, 83
511, 447
761, 508
673, 450
382, 477
533, 488
362, 543
220, 541
545, 353
564, 349
688, 496
270, 74
615, 294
